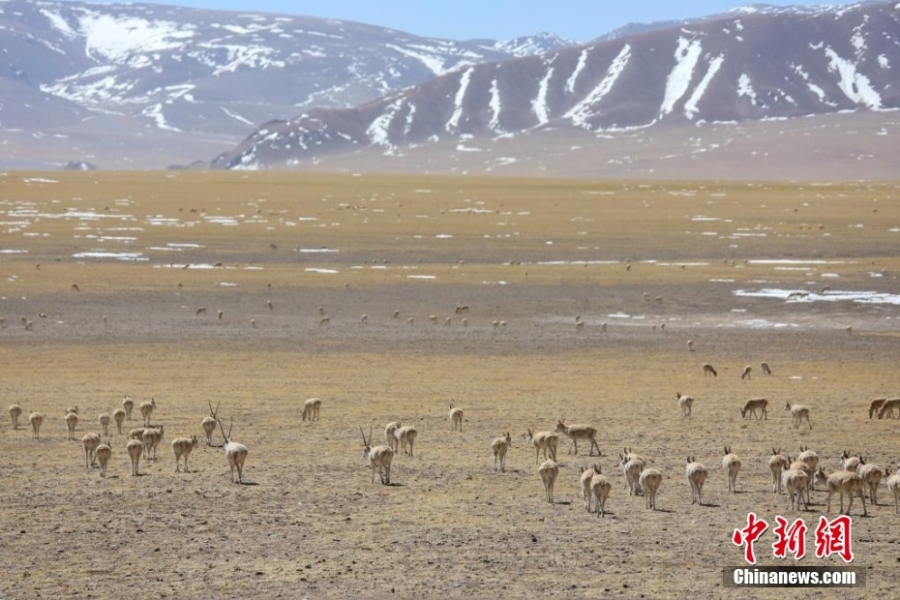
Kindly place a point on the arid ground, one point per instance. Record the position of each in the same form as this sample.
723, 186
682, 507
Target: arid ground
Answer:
111, 269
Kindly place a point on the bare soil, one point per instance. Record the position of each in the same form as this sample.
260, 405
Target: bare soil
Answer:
536, 254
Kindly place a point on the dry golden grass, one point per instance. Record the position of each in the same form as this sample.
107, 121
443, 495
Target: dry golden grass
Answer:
310, 523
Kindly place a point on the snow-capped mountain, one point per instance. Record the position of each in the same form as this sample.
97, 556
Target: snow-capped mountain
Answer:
754, 63
173, 70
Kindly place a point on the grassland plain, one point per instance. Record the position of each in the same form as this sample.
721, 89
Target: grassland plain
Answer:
111, 270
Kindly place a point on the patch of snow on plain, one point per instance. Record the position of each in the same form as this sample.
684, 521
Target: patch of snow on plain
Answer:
686, 56
323, 271
803, 296
690, 107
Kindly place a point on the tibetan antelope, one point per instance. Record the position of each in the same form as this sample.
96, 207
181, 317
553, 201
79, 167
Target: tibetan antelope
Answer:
311, 409
751, 406
732, 464
389, 436
35, 419
103, 452
686, 403
875, 406
888, 407
378, 457
778, 463
147, 410
182, 447
696, 475
500, 445
90, 442
104, 423
893, 484
128, 405
580, 432
406, 437
119, 418
798, 413
135, 450
795, 483
650, 480
600, 489
151, 437
847, 462
845, 482
71, 422
812, 460
15, 411
708, 369
235, 453
745, 374
871, 475
208, 424
764, 366
542, 440
456, 418
548, 472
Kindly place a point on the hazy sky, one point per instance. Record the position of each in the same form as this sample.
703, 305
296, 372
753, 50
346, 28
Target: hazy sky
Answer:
580, 20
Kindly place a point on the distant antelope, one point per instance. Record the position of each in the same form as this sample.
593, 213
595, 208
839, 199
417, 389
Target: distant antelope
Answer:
690, 345
71, 422
90, 442
103, 452
119, 418
147, 410
462, 308
548, 472
777, 464
128, 405
14, 412
35, 419
580, 432
378, 457
764, 366
875, 406
745, 374
500, 445
708, 369
811, 458
686, 403
182, 447
751, 406
311, 409
104, 423
456, 418
389, 436
542, 440
135, 450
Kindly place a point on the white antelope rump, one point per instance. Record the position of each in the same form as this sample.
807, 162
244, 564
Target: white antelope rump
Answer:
151, 437
208, 424
545, 441
875, 406
311, 409
632, 466
871, 475
587, 473
90, 442
600, 489
745, 374
708, 369
579, 432
135, 449
796, 482
389, 437
104, 423
777, 464
36, 419
893, 485
548, 472
812, 460
845, 482
751, 406
732, 464
128, 405
500, 445
888, 407
15, 411
686, 403
798, 413
182, 447
378, 457
406, 437
235, 453
71, 422
147, 410
456, 418
696, 475
103, 453
650, 480
119, 418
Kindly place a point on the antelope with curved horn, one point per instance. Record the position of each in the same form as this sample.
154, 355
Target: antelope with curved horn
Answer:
235, 453
379, 457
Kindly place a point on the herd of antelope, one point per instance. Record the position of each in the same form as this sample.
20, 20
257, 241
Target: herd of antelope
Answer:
796, 477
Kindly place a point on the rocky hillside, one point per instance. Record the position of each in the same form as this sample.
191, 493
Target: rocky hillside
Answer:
755, 63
